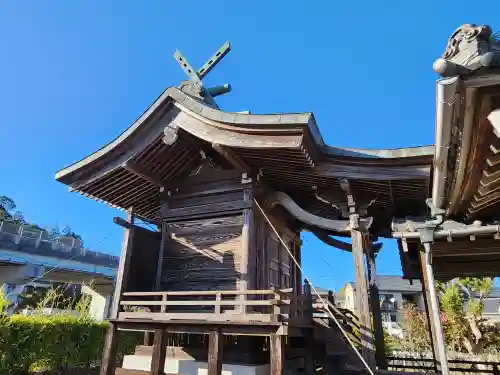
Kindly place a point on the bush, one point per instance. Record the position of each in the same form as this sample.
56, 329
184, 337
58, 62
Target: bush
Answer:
43, 343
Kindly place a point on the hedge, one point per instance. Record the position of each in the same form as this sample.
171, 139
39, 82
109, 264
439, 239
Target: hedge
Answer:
48, 343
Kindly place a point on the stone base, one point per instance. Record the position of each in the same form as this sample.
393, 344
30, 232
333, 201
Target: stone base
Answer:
191, 367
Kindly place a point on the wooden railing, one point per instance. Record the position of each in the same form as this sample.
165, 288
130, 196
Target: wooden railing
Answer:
346, 318
457, 366
237, 306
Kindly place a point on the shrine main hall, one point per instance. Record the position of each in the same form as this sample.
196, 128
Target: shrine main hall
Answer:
215, 280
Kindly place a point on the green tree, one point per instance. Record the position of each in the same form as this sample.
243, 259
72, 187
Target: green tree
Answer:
6, 206
68, 232
462, 307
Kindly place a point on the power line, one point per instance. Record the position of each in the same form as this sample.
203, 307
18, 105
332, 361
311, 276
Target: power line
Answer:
327, 309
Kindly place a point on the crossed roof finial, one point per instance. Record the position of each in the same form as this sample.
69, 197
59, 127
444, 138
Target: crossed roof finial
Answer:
194, 85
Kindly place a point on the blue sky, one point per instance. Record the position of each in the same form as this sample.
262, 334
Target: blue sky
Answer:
74, 74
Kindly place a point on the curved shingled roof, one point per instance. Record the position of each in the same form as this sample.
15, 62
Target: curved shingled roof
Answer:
287, 149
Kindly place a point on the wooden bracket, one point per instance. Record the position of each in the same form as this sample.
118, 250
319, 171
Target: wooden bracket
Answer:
235, 160
138, 170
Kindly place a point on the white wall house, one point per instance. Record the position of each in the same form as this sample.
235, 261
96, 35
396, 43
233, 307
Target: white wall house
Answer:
394, 291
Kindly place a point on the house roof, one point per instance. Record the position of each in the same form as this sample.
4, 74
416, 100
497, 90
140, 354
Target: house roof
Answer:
393, 283
491, 306
495, 293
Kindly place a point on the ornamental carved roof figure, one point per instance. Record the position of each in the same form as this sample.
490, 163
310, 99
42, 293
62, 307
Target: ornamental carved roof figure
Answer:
469, 49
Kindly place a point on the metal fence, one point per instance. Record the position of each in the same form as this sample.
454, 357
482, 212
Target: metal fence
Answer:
35, 241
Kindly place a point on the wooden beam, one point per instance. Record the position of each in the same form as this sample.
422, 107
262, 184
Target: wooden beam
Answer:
215, 352
378, 329
361, 293
326, 238
246, 240
235, 160
276, 355
341, 226
434, 310
430, 326
108, 361
138, 170
360, 242
125, 224
159, 352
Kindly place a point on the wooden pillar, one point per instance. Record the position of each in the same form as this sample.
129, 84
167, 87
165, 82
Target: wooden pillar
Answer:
215, 352
310, 352
123, 267
108, 362
361, 293
276, 355
359, 249
149, 336
378, 329
298, 274
159, 353
434, 310
245, 249
426, 298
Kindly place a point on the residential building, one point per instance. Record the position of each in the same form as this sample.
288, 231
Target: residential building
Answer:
394, 291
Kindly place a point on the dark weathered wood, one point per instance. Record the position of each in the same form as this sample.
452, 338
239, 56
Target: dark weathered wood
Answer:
146, 246
148, 338
247, 274
378, 329
231, 157
159, 352
276, 353
426, 296
361, 293
108, 361
207, 211
141, 172
434, 311
163, 244
311, 352
122, 273
203, 255
215, 352
430, 327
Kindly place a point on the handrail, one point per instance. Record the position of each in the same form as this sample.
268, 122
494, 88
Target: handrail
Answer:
201, 293
276, 306
428, 364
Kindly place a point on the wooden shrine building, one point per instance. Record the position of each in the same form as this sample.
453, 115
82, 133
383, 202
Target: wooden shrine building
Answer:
229, 193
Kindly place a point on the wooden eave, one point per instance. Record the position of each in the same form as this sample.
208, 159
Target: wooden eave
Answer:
473, 188
287, 148
459, 258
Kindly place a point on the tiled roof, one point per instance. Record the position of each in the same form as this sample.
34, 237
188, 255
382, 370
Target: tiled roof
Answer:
392, 283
